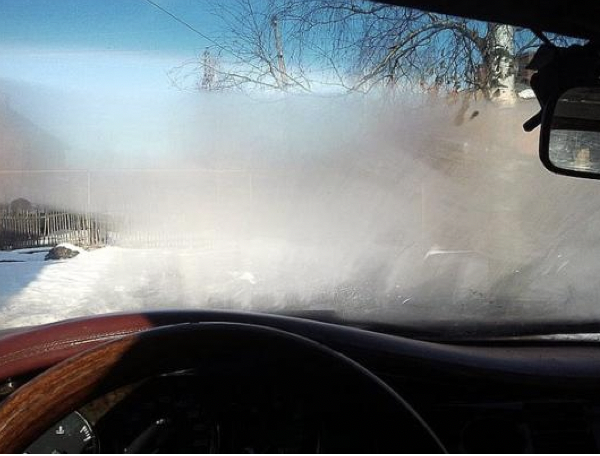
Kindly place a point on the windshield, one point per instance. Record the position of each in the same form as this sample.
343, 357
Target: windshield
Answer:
283, 156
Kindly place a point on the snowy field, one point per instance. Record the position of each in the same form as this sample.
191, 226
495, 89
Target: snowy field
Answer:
256, 276
388, 283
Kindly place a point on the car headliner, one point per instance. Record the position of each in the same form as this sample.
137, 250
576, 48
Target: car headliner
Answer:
576, 18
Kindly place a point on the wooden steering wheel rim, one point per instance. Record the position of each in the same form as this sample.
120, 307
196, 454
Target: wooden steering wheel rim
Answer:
37, 405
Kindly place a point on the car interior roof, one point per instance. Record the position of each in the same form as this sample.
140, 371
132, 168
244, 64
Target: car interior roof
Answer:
576, 18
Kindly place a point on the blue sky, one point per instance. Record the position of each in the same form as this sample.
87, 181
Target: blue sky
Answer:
98, 44
106, 24
97, 69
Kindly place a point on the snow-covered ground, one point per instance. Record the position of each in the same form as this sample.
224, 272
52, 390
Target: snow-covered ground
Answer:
257, 275
384, 284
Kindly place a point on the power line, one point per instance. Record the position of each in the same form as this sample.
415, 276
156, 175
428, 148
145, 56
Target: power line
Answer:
182, 22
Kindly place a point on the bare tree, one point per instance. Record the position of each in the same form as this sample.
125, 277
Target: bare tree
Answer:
359, 45
249, 49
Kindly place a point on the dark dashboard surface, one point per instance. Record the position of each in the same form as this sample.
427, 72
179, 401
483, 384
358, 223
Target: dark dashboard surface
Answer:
477, 397
178, 413
468, 413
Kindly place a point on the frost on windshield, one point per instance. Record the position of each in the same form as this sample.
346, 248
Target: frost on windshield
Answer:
326, 171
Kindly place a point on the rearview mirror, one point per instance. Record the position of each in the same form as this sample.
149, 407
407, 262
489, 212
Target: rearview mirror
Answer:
570, 136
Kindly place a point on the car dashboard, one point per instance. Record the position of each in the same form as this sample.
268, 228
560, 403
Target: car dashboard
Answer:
476, 397
180, 413
165, 410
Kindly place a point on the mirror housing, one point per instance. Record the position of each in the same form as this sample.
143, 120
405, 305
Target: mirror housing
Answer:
570, 133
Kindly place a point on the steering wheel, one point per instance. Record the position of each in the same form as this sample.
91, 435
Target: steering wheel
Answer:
356, 410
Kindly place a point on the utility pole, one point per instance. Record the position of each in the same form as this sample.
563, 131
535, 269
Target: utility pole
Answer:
282, 80
208, 68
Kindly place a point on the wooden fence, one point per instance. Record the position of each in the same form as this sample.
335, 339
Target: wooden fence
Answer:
45, 228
